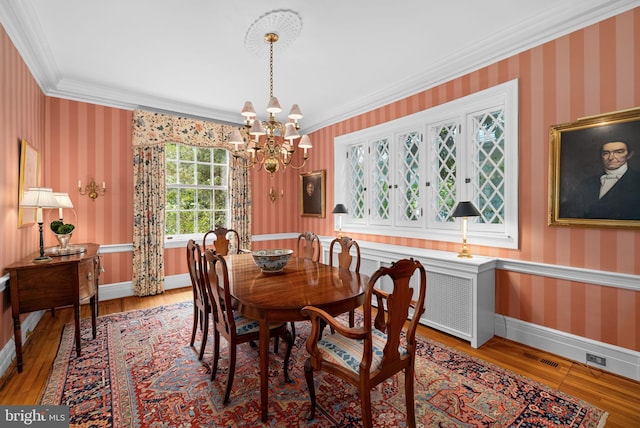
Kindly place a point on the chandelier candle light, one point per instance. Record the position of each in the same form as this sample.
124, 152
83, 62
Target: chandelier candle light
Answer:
465, 209
274, 143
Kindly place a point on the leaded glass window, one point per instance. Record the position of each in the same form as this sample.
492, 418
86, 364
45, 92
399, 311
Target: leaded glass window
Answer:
405, 177
381, 180
488, 157
409, 177
357, 181
445, 137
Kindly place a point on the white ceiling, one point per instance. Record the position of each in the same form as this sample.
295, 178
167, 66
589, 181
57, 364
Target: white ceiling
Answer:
188, 56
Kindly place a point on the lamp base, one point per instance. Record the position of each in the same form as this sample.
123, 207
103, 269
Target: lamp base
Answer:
464, 252
42, 259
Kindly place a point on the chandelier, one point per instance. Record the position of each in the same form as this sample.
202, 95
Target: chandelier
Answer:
272, 144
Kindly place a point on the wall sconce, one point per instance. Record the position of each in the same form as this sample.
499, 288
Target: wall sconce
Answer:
273, 195
340, 210
92, 189
39, 198
465, 209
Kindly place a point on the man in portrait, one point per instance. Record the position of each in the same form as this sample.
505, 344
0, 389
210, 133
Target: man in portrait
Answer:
612, 193
311, 195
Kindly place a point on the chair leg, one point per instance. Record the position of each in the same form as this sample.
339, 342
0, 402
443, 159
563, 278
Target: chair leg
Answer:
288, 338
308, 374
232, 370
216, 354
365, 405
323, 324
196, 314
409, 396
351, 318
276, 342
205, 334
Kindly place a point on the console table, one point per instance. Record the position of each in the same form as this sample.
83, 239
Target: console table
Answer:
65, 280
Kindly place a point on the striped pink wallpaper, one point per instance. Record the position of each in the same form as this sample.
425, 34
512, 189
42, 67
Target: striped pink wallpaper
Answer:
590, 71
86, 141
22, 107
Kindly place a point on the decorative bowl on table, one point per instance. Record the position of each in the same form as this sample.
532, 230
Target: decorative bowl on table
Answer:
271, 260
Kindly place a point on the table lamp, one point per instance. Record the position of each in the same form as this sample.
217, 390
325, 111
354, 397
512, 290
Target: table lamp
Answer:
465, 210
64, 201
340, 210
39, 198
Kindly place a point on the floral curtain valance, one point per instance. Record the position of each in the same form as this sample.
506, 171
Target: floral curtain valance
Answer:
151, 129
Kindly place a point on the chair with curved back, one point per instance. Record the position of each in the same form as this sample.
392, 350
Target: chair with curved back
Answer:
345, 259
309, 246
367, 355
229, 323
201, 307
227, 241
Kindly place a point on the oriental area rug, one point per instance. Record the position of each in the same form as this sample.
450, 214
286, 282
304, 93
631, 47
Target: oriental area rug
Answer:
141, 372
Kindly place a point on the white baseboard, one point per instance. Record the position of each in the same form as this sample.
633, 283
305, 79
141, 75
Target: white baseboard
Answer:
125, 289
620, 361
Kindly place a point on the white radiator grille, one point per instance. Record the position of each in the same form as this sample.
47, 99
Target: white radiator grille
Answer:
448, 302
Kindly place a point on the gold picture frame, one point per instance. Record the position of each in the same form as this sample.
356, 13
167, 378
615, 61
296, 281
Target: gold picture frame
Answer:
312, 194
578, 157
29, 164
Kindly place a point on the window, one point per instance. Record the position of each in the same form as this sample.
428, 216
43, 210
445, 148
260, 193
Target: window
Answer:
197, 189
405, 177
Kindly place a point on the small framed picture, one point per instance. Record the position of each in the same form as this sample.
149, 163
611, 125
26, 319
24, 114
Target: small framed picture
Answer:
595, 171
28, 179
312, 192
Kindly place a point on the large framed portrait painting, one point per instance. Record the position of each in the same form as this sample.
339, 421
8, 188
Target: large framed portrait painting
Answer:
594, 173
312, 193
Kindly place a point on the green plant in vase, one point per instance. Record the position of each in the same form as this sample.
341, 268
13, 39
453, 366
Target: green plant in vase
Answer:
63, 232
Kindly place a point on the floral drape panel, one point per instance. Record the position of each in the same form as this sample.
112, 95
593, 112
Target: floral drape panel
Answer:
151, 131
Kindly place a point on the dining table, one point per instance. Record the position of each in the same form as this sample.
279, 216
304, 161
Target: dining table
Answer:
274, 297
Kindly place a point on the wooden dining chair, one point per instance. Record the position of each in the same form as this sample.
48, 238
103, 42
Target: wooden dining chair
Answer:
309, 246
229, 323
226, 241
201, 307
367, 355
346, 260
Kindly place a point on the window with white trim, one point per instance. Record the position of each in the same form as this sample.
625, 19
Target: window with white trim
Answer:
197, 189
405, 177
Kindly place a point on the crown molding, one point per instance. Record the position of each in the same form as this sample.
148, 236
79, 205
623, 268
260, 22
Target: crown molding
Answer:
22, 26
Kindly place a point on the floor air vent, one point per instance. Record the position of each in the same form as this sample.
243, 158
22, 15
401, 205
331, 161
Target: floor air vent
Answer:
543, 360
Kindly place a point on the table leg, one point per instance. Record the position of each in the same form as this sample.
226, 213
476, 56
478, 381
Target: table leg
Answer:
94, 313
17, 334
264, 369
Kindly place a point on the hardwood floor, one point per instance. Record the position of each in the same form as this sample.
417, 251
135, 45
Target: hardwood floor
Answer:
619, 396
